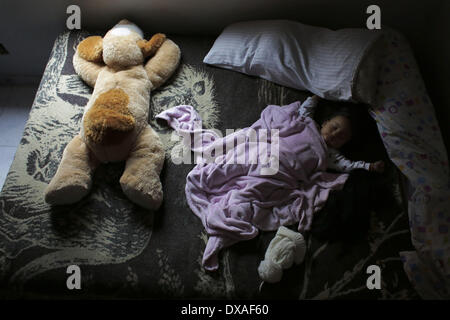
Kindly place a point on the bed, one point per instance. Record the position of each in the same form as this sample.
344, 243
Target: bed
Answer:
124, 251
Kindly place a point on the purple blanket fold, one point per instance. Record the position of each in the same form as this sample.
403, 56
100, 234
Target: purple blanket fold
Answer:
280, 180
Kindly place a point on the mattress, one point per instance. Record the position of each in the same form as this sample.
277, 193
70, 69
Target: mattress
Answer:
124, 251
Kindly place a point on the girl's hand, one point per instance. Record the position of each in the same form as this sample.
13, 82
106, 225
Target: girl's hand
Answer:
377, 166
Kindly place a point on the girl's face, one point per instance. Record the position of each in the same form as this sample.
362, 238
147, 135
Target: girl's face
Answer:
336, 131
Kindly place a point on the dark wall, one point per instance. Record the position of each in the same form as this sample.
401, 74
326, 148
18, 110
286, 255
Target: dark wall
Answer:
433, 56
28, 28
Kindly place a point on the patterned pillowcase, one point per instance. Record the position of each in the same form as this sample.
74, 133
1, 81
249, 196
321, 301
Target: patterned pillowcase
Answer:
295, 55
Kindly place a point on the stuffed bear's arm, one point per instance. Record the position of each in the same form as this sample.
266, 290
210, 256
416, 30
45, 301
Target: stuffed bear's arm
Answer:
88, 59
87, 70
163, 64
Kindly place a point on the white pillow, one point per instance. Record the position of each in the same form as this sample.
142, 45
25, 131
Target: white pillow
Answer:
295, 55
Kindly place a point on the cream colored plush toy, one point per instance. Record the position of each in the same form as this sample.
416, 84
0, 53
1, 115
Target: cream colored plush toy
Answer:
115, 122
285, 248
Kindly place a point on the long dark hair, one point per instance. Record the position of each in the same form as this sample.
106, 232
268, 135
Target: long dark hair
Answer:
356, 113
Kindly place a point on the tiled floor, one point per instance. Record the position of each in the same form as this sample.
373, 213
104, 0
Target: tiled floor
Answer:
15, 105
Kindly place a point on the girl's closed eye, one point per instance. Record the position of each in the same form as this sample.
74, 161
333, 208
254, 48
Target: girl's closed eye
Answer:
336, 131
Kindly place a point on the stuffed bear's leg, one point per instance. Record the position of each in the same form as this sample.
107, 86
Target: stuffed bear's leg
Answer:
73, 179
140, 180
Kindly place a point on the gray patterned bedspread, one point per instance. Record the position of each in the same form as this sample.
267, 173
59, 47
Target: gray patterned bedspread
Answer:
124, 251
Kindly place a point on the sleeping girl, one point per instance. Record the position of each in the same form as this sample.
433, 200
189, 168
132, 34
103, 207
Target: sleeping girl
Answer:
336, 131
346, 214
235, 200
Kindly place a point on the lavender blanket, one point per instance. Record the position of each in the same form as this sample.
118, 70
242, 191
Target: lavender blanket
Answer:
245, 184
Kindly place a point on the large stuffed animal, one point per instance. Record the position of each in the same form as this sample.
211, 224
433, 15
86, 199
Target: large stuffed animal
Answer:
115, 122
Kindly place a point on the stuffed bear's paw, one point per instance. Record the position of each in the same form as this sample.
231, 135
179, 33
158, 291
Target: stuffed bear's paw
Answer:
67, 190
143, 190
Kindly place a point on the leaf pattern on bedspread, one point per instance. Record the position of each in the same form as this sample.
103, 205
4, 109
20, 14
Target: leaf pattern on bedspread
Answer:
216, 285
169, 279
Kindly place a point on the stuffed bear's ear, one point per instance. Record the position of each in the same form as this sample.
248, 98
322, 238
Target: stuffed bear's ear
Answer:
150, 47
91, 49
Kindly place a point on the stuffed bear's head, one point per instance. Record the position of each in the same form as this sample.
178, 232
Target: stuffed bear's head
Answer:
122, 46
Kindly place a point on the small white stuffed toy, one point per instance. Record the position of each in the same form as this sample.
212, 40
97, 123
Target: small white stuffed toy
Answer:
285, 248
